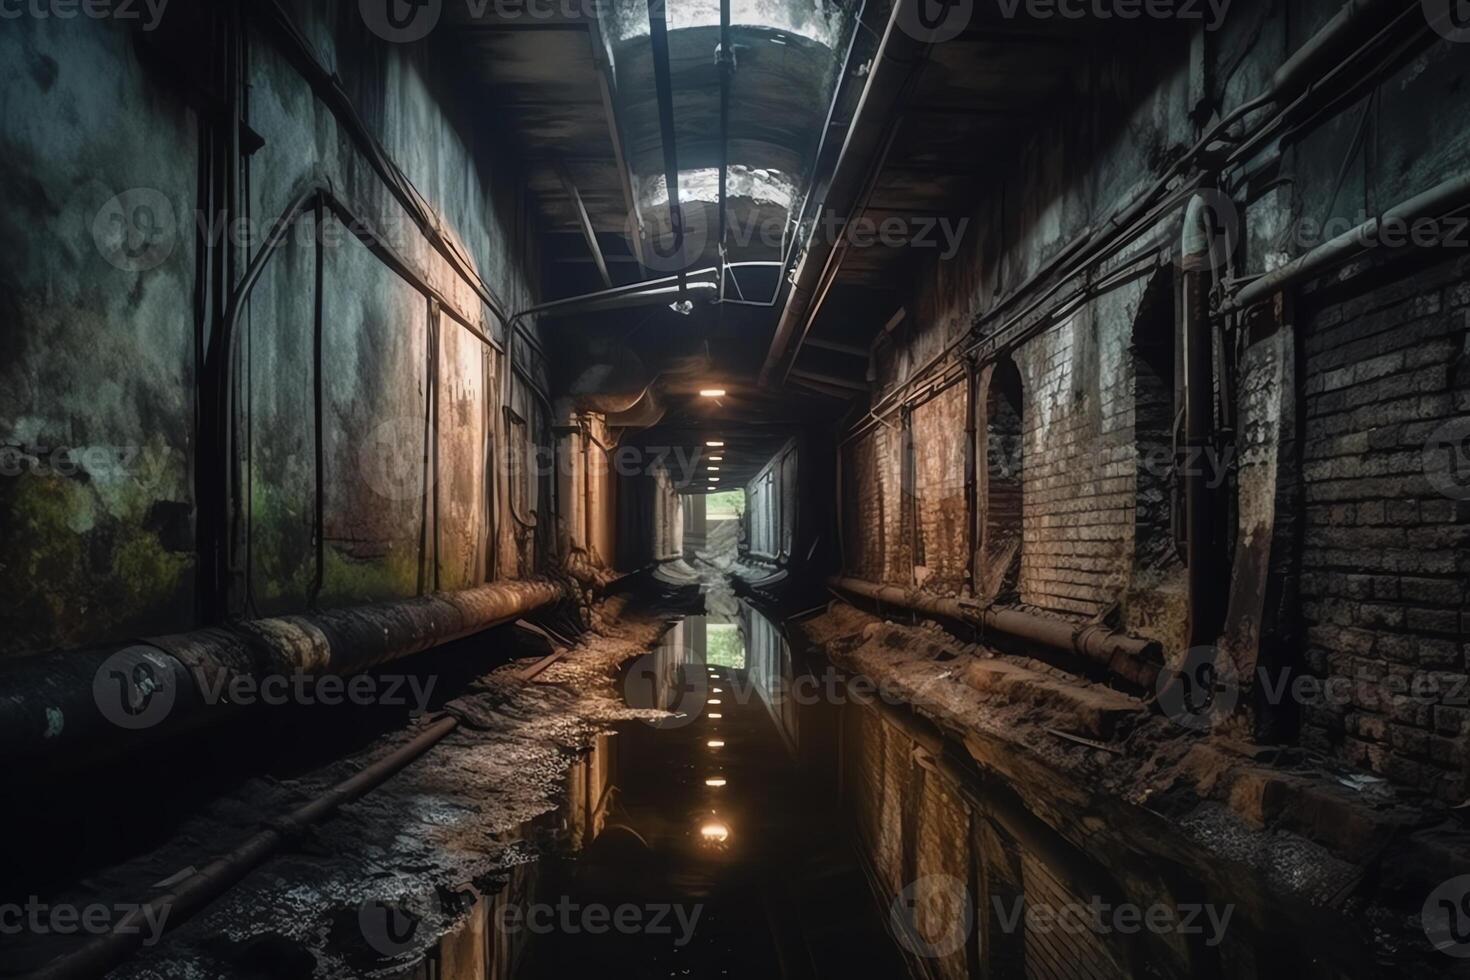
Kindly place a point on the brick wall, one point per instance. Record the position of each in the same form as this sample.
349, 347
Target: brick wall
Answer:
877, 534
937, 428
1078, 476
1384, 563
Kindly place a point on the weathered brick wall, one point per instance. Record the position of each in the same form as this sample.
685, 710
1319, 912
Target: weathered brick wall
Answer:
937, 428
877, 538
1078, 479
1384, 562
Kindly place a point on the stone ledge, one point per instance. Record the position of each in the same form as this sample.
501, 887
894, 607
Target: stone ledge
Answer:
1097, 712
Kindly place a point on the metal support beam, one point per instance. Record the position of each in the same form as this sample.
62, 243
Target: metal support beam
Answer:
584, 222
658, 39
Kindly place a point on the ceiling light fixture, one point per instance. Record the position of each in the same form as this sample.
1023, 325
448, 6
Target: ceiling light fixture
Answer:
712, 393
714, 443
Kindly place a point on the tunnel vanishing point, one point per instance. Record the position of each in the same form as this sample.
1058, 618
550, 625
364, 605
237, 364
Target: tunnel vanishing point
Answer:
735, 488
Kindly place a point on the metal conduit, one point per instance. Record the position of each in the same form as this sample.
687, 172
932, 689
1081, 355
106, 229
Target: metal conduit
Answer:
1132, 658
105, 952
53, 705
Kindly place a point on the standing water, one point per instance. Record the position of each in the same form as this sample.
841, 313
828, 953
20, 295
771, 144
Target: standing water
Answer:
774, 824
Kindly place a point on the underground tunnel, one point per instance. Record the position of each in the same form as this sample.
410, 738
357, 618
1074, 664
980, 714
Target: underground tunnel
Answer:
528, 489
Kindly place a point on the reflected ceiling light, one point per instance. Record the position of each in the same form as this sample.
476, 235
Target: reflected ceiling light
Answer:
713, 701
714, 443
715, 743
718, 691
717, 459
715, 714
715, 781
712, 393
714, 469
714, 832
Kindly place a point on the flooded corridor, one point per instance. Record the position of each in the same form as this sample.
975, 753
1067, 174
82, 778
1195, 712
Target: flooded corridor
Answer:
753, 489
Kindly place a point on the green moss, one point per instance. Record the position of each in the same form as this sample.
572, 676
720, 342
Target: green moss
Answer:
352, 580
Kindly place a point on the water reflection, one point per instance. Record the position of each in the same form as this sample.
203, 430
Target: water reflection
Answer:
713, 816
847, 836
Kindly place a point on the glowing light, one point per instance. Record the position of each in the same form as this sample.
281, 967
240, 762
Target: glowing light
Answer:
715, 743
714, 469
715, 833
716, 715
715, 781
717, 459
713, 701
712, 393
714, 443
718, 691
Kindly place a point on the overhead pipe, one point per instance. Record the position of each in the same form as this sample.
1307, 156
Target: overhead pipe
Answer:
1134, 659
1308, 60
894, 65
1442, 199
52, 702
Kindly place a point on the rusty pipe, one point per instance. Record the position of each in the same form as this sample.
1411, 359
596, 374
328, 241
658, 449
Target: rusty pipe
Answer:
71, 701
1132, 658
105, 952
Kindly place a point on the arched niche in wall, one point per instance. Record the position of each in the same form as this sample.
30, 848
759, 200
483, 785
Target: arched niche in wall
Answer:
1001, 432
1154, 361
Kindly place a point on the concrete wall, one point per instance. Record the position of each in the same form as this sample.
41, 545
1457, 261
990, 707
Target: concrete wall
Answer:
771, 506
1329, 402
105, 345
